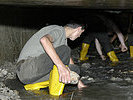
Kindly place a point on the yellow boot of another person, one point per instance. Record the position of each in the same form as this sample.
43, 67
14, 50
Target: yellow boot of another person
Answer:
131, 51
84, 52
112, 56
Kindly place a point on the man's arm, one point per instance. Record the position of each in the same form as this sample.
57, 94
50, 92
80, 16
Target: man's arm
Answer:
71, 61
64, 72
121, 37
99, 49
113, 38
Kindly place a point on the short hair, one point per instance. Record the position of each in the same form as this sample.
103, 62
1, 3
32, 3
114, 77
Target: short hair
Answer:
75, 25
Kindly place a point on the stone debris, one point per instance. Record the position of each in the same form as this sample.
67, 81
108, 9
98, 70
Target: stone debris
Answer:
128, 79
86, 66
8, 94
7, 72
4, 74
87, 79
116, 79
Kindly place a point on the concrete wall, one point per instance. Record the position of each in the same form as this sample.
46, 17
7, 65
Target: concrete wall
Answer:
15, 29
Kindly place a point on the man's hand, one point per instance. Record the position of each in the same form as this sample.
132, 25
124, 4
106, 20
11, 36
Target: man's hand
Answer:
123, 48
64, 74
103, 57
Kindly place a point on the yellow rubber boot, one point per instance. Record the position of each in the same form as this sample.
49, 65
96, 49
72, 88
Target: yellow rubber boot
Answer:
84, 51
55, 87
112, 56
37, 86
131, 51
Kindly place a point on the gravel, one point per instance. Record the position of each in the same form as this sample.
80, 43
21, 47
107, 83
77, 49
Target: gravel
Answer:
7, 71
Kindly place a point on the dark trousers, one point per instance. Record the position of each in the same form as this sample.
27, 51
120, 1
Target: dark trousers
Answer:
130, 39
37, 69
103, 38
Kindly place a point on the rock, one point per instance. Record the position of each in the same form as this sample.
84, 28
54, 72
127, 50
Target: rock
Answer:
1, 75
74, 77
4, 72
11, 76
116, 79
86, 66
7, 94
128, 79
87, 79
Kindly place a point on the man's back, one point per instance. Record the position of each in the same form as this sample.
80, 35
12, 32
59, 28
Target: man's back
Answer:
33, 47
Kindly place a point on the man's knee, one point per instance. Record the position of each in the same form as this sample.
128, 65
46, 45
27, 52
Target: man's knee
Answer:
74, 68
63, 50
66, 48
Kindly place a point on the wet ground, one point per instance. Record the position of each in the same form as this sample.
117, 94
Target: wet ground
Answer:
105, 80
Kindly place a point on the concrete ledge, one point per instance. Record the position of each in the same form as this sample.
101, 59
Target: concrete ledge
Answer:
91, 4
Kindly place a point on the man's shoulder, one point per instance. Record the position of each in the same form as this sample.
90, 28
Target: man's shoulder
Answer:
48, 30
51, 27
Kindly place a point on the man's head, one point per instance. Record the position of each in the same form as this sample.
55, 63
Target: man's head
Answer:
74, 30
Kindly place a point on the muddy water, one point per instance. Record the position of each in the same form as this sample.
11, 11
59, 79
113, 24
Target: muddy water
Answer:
105, 81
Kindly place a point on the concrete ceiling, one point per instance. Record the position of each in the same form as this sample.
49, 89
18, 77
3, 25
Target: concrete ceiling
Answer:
90, 4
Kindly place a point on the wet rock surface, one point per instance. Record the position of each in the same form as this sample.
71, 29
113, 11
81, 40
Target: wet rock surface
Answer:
105, 80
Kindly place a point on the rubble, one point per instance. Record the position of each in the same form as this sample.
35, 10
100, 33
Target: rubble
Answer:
5, 92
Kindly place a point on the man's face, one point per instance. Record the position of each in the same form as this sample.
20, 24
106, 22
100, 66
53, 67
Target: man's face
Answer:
78, 31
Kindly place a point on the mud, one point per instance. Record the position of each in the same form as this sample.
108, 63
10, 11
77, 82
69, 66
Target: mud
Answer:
105, 80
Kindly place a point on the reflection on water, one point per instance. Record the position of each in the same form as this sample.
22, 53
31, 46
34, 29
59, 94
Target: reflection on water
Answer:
96, 91
107, 91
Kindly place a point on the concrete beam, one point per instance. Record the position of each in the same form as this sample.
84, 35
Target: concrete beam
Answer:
91, 4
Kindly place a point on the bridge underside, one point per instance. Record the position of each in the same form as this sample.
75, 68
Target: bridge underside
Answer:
90, 4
